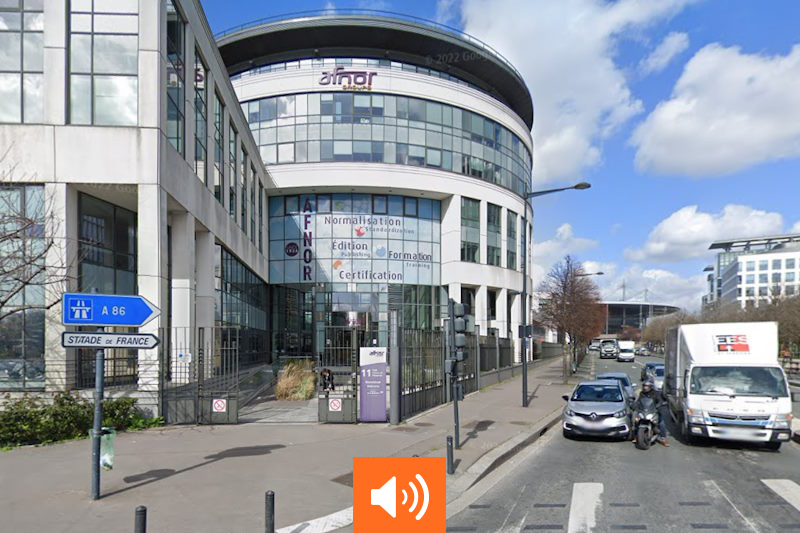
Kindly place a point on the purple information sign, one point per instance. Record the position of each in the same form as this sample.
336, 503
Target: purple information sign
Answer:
373, 384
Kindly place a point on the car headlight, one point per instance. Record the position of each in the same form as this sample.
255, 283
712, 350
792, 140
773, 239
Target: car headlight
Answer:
569, 412
782, 421
621, 414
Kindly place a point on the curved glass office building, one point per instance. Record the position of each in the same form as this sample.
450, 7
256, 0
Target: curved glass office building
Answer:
401, 153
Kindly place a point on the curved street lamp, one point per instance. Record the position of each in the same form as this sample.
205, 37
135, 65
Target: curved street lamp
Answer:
579, 187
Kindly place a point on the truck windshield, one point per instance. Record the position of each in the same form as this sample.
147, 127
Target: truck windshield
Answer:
738, 381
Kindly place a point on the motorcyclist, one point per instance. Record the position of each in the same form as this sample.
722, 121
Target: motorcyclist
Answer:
648, 391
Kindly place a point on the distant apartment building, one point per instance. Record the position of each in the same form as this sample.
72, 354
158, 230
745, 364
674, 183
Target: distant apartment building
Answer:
751, 272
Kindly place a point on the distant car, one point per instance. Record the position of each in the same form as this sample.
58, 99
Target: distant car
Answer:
594, 345
608, 349
597, 408
623, 379
648, 368
657, 375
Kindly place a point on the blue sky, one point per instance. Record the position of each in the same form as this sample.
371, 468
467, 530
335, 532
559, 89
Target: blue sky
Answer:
683, 114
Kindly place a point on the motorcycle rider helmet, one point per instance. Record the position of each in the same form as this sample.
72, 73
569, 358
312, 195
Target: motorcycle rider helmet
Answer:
647, 386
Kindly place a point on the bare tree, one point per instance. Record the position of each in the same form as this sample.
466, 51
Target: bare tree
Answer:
571, 306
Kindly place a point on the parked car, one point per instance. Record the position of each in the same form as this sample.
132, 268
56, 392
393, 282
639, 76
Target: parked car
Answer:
594, 345
597, 408
648, 367
625, 353
624, 381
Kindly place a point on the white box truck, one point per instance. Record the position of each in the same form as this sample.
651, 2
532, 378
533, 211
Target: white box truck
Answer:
723, 381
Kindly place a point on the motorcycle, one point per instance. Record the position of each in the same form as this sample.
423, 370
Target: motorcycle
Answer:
645, 423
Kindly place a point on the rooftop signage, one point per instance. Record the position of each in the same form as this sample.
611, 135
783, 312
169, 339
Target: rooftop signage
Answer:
349, 80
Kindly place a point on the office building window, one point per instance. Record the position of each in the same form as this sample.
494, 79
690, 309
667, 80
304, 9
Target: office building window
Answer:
491, 304
511, 240
762, 291
200, 119
790, 264
790, 277
176, 52
750, 278
763, 278
776, 277
104, 62
789, 290
232, 170
749, 291
470, 230
493, 234
21, 61
219, 163
776, 264
763, 265
243, 190
260, 217
751, 266
253, 181
22, 328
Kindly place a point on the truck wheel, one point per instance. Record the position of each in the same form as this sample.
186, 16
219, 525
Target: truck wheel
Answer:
774, 446
688, 438
642, 438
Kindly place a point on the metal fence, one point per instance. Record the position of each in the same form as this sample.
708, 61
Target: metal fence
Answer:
423, 380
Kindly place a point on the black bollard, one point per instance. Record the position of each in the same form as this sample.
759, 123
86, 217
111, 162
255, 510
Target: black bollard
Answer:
140, 522
269, 512
450, 469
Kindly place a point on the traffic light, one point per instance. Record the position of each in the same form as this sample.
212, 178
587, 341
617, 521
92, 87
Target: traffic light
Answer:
460, 311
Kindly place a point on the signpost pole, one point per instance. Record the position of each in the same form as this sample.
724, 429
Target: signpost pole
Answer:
454, 374
98, 420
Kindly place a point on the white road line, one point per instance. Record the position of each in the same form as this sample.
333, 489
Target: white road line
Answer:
584, 505
711, 483
786, 489
323, 524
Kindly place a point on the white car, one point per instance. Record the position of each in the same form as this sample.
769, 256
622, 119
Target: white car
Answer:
626, 353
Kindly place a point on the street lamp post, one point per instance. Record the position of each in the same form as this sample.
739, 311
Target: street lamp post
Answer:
578, 186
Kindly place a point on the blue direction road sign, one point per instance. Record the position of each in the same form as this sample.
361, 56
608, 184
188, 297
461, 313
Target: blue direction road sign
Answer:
106, 310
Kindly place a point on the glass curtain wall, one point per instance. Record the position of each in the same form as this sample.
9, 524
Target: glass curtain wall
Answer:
493, 234
382, 128
219, 163
176, 59
104, 62
232, 170
470, 230
511, 240
200, 119
22, 304
21, 61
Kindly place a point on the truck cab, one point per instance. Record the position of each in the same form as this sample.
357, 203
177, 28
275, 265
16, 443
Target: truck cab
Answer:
723, 381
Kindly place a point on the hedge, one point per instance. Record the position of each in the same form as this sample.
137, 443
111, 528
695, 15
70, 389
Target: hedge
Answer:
29, 420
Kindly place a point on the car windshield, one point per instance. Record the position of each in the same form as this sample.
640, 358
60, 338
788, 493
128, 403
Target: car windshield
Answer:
660, 372
622, 379
738, 381
597, 393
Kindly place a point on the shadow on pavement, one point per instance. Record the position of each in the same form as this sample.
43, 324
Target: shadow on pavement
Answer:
151, 476
475, 428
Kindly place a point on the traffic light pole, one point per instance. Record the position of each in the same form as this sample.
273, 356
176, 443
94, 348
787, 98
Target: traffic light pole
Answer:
454, 368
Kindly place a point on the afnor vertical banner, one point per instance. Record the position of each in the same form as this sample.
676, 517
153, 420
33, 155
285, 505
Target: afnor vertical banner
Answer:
372, 366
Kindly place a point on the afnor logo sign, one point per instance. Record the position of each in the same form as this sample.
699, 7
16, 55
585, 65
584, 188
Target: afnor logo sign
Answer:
308, 241
349, 80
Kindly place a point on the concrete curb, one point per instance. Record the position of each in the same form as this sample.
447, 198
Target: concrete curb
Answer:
500, 454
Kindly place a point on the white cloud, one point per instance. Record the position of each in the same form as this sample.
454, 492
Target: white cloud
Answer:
380, 5
687, 233
580, 95
447, 12
545, 254
653, 285
330, 8
727, 112
795, 228
672, 45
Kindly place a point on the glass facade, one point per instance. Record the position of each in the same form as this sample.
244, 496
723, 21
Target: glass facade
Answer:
200, 119
22, 302
219, 163
104, 62
21, 61
232, 171
511, 240
241, 303
176, 84
368, 240
470, 230
383, 128
494, 245
633, 315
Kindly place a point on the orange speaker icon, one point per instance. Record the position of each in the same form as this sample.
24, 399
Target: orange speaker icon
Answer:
410, 494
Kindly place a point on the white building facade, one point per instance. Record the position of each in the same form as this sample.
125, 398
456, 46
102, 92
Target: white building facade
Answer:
759, 278
283, 180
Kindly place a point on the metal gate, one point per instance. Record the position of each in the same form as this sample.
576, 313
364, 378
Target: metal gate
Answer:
423, 381
199, 375
339, 355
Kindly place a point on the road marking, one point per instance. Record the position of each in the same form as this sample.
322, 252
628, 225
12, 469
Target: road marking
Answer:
711, 483
583, 507
323, 524
786, 489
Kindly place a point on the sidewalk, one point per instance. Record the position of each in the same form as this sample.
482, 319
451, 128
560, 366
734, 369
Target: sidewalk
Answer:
213, 478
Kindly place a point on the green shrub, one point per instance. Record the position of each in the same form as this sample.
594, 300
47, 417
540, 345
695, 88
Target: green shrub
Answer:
28, 420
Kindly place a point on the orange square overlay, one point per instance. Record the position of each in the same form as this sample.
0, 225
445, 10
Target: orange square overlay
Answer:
386, 486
